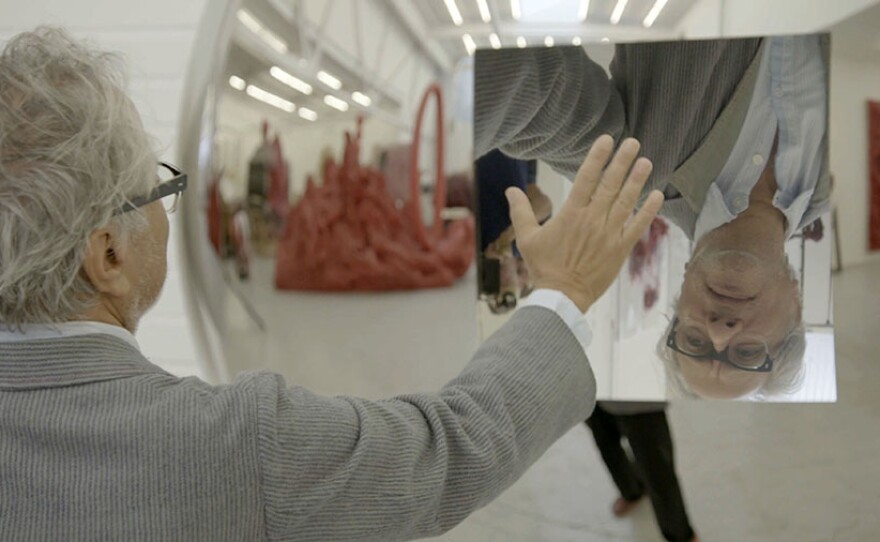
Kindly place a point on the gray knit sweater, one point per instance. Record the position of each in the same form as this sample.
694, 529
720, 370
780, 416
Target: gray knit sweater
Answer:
96, 443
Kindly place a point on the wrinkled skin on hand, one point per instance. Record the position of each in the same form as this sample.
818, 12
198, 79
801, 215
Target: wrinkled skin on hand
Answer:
581, 250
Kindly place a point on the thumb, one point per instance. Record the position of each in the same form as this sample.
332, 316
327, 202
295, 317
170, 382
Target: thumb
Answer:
521, 214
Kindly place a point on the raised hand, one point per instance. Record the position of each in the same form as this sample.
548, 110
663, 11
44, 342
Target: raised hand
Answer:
580, 250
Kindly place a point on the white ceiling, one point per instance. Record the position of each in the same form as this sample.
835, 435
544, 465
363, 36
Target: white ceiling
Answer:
348, 39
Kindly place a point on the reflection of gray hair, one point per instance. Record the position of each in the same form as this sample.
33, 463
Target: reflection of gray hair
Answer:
72, 152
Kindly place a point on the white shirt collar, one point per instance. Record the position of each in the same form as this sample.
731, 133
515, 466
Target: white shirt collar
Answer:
32, 332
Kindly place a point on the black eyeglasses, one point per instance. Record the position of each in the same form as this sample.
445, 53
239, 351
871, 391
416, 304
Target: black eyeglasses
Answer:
749, 355
173, 183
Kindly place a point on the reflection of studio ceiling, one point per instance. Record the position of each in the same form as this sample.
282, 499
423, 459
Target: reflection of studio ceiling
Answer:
540, 19
381, 54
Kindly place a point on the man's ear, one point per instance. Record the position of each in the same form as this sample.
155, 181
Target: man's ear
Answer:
104, 263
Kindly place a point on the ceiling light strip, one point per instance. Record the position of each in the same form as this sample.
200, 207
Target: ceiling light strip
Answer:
289, 80
237, 82
336, 103
485, 14
654, 13
583, 10
361, 98
307, 114
270, 99
469, 44
618, 11
254, 25
452, 8
329, 80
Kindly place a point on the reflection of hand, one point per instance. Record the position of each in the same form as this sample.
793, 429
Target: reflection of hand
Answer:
580, 250
815, 231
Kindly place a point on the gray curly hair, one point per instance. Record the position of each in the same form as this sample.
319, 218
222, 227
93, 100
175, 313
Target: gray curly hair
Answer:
72, 152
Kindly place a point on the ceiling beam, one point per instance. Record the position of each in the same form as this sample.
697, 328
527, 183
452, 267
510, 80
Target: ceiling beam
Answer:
421, 33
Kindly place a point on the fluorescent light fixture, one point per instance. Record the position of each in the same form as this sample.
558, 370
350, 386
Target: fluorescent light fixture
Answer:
652, 15
495, 40
329, 80
307, 114
576, 41
469, 44
336, 103
361, 98
515, 10
521, 42
605, 40
289, 80
618, 11
453, 12
255, 26
548, 41
583, 10
269, 98
484, 11
237, 82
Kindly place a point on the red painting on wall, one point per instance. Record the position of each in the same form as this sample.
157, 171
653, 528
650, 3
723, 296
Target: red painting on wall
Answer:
874, 173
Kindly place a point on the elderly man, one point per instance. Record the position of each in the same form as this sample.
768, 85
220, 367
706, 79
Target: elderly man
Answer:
98, 443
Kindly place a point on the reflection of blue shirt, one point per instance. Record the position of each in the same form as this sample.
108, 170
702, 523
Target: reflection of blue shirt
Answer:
790, 96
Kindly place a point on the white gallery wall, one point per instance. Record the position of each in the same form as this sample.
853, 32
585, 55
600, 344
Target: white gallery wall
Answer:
853, 82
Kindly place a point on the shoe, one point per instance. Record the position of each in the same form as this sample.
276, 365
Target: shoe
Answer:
622, 507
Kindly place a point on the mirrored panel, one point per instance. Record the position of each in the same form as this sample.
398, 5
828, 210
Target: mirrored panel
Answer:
728, 295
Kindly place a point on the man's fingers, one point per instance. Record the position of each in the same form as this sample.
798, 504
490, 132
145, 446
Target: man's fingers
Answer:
616, 172
590, 172
521, 215
629, 195
642, 220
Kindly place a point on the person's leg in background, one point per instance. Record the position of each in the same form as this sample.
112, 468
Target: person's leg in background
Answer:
626, 477
651, 443
496, 172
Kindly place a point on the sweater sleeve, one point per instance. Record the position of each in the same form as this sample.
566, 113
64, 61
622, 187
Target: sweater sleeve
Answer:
344, 468
543, 102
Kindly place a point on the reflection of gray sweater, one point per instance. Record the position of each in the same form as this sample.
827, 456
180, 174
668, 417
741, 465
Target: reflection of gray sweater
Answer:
552, 103
97, 443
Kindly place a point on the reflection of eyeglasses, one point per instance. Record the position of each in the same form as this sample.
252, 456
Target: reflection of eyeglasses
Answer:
750, 355
172, 184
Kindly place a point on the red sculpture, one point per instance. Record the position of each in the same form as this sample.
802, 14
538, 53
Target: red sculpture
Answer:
874, 173
348, 234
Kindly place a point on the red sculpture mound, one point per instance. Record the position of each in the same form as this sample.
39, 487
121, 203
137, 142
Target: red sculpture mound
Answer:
348, 234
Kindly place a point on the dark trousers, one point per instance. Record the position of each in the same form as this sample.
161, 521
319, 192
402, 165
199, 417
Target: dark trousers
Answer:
653, 468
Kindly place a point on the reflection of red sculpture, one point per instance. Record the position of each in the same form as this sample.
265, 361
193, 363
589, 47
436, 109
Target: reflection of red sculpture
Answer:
348, 234
874, 172
278, 185
642, 257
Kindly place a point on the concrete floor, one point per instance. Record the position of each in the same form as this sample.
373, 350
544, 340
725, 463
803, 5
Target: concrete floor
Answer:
750, 472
